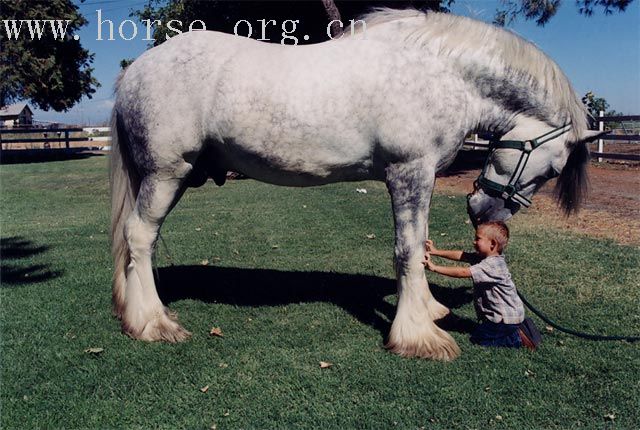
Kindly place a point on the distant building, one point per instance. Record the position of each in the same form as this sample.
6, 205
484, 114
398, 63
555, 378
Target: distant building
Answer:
16, 115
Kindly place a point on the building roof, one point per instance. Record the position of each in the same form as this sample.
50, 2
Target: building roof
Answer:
14, 110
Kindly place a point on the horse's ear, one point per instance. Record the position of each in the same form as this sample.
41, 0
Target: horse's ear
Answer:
591, 135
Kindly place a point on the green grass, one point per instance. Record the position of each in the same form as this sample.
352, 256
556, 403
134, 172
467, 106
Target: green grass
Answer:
292, 280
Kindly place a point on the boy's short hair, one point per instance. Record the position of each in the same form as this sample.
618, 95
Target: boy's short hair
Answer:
498, 231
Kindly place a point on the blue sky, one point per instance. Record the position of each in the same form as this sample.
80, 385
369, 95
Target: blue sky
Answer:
599, 53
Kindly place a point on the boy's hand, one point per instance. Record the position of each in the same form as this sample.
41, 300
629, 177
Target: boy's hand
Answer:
429, 246
428, 263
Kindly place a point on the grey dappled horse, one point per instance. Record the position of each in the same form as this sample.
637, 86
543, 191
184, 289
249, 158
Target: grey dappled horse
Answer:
390, 102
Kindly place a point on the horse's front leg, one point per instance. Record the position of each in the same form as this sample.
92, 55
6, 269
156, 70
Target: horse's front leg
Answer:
413, 332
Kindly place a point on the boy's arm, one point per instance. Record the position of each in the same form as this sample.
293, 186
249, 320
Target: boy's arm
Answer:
454, 272
449, 255
453, 255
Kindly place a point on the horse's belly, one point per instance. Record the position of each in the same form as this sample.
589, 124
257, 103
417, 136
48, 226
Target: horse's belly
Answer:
293, 168
293, 179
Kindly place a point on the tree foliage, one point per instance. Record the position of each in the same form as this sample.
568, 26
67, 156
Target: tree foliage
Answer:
52, 73
543, 10
313, 15
595, 105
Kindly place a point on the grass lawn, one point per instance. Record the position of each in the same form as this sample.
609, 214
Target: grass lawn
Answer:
291, 278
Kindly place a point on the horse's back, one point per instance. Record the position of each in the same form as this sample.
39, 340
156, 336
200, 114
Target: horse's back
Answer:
291, 115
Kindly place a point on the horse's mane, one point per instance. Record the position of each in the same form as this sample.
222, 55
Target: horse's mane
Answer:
480, 46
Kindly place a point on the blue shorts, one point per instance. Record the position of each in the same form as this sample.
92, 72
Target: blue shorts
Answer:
497, 334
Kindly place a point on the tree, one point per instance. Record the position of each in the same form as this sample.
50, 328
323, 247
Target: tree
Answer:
51, 71
543, 10
126, 62
313, 16
595, 105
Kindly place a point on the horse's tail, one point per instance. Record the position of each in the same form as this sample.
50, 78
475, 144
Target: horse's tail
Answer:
125, 183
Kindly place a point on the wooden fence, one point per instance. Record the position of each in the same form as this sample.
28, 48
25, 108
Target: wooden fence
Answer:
602, 120
46, 139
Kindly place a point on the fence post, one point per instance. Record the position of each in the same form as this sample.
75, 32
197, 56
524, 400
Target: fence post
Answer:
600, 141
66, 138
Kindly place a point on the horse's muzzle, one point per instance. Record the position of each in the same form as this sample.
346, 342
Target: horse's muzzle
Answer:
482, 207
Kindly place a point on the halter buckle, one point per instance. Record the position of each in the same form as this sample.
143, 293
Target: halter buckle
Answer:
508, 192
527, 146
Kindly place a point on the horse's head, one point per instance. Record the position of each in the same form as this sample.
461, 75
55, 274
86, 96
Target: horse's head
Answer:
522, 161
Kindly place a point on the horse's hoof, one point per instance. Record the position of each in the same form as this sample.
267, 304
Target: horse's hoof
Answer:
163, 328
440, 346
444, 352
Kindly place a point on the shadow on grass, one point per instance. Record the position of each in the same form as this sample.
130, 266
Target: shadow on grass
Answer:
12, 272
363, 296
21, 156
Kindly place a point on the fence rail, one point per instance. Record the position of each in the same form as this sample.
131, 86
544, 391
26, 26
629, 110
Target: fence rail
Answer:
613, 156
619, 118
622, 137
38, 130
602, 120
45, 139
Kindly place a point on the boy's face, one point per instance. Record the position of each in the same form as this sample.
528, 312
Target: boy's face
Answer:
483, 244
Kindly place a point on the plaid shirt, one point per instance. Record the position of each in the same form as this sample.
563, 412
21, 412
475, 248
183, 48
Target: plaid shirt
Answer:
496, 298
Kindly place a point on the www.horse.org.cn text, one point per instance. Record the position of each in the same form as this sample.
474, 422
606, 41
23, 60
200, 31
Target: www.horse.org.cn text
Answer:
288, 28
128, 29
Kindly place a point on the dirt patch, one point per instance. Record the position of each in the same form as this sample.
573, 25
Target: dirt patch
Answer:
612, 209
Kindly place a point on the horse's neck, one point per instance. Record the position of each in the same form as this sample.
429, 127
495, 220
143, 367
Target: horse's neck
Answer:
504, 95
487, 115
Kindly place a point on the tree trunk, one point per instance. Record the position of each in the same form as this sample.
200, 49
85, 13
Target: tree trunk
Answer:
334, 15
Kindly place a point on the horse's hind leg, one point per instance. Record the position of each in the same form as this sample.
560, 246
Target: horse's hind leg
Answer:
413, 332
144, 316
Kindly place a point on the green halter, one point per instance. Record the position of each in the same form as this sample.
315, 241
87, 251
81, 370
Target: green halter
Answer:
511, 191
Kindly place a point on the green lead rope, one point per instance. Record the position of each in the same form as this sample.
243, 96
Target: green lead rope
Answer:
589, 336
